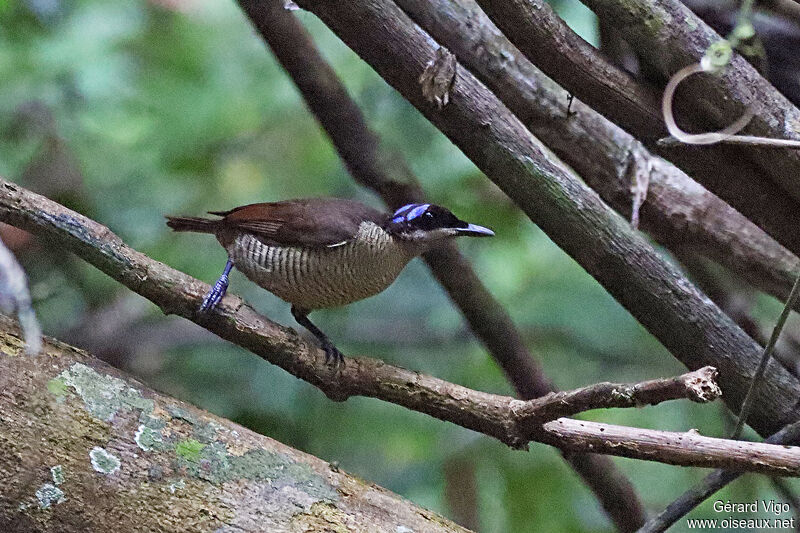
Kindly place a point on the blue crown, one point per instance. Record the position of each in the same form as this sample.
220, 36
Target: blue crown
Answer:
409, 212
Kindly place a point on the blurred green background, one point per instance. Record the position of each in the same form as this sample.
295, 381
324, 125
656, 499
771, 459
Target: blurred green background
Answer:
127, 111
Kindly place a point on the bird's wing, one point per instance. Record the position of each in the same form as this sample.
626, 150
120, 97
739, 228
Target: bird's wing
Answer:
307, 222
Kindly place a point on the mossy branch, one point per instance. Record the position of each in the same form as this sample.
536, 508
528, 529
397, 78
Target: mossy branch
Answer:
84, 447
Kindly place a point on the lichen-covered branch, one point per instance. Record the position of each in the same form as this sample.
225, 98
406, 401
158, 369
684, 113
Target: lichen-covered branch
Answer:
726, 171
514, 422
695, 330
678, 212
85, 448
389, 175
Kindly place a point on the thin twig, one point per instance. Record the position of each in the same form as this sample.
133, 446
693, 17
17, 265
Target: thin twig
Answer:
747, 140
727, 135
713, 137
747, 403
698, 386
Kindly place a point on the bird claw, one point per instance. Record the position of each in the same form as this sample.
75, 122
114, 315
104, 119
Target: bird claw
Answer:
333, 357
215, 295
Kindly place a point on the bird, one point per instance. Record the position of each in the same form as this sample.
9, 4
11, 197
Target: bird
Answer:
318, 253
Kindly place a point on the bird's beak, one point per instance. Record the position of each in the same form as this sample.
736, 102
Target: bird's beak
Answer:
473, 230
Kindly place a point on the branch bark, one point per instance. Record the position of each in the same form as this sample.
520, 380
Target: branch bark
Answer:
709, 485
653, 290
84, 447
389, 176
672, 448
678, 212
698, 386
668, 45
539, 33
514, 422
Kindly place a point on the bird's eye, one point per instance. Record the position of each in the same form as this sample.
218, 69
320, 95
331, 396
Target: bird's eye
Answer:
429, 214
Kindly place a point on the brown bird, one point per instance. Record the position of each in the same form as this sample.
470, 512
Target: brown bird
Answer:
317, 253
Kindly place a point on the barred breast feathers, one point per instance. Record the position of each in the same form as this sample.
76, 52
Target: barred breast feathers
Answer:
320, 277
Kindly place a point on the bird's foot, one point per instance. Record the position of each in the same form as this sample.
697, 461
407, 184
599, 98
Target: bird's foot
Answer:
333, 357
215, 295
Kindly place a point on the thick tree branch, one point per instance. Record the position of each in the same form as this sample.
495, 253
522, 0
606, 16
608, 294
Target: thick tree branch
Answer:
653, 290
514, 422
540, 34
87, 448
668, 45
678, 212
389, 175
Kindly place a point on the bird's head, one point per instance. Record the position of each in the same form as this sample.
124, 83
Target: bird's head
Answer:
426, 224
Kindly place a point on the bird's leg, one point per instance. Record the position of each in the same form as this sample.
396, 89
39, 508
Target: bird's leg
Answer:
216, 293
332, 354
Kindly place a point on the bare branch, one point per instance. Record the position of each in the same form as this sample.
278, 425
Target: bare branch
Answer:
709, 485
673, 448
540, 34
698, 386
514, 422
388, 174
678, 212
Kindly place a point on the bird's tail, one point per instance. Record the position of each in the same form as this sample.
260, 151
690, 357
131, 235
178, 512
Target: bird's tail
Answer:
195, 224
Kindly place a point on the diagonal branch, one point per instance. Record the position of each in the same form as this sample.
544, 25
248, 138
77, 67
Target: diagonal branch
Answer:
678, 212
541, 35
514, 422
99, 451
669, 46
389, 175
652, 289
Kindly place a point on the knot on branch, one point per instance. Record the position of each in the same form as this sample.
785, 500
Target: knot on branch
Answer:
701, 385
438, 77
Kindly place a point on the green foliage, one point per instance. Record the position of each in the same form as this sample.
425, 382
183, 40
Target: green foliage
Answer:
129, 111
